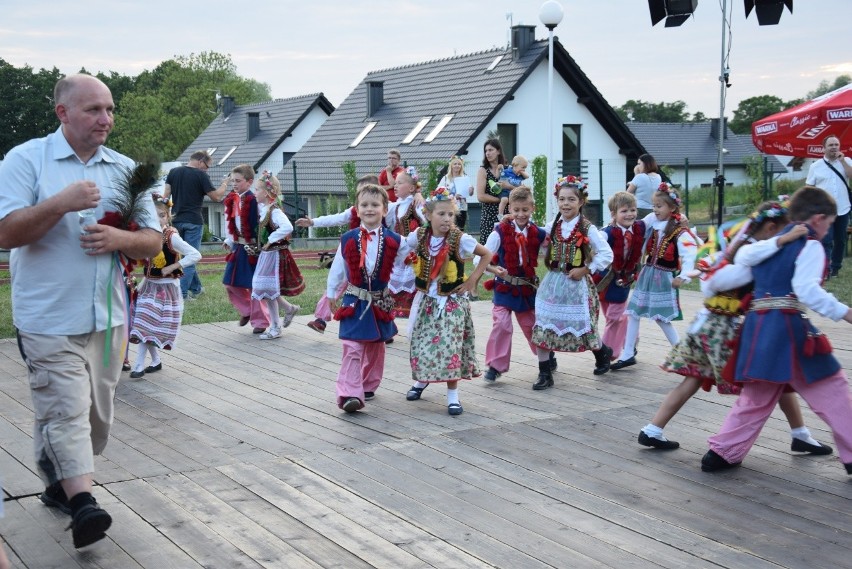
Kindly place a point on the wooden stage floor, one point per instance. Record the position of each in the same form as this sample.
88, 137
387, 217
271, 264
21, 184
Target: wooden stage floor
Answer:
234, 455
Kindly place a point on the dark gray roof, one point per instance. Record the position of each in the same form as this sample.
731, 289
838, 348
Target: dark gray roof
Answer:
671, 143
278, 119
460, 86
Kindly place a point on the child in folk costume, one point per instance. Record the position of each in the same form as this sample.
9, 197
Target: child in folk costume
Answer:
348, 217
671, 250
780, 347
362, 265
625, 236
242, 220
441, 331
404, 217
276, 274
701, 356
159, 305
515, 244
566, 305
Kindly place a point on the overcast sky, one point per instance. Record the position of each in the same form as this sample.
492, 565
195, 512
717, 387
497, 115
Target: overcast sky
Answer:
309, 46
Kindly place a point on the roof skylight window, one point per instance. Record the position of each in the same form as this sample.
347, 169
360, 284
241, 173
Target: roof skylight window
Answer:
363, 133
494, 63
226, 156
438, 128
416, 130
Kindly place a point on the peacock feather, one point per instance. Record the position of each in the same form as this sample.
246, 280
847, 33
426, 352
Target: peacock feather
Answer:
131, 191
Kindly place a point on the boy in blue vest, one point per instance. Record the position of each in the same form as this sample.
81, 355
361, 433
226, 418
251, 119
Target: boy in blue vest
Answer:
515, 244
780, 347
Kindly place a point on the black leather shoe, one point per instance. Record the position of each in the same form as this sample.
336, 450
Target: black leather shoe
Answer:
491, 375
848, 466
54, 497
89, 524
136, 374
603, 360
455, 409
647, 441
621, 364
545, 377
553, 363
152, 369
798, 445
244, 320
369, 395
352, 404
414, 393
712, 462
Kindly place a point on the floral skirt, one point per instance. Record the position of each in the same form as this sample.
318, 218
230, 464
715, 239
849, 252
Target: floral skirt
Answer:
156, 318
442, 341
704, 352
276, 274
566, 314
654, 297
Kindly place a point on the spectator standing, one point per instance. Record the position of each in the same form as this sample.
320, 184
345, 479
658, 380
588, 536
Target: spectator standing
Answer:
832, 173
187, 186
67, 290
645, 182
387, 177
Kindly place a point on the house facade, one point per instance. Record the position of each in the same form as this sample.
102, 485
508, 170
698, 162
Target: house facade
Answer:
266, 135
433, 110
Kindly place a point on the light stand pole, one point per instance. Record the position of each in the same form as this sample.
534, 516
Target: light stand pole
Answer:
550, 15
719, 180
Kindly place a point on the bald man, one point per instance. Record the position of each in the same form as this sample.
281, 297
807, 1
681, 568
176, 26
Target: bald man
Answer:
67, 290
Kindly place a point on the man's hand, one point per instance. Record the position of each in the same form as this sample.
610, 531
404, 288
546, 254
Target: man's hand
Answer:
498, 271
304, 222
80, 195
100, 239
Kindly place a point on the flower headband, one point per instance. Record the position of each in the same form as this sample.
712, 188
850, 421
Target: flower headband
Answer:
440, 194
266, 180
160, 200
571, 182
667, 189
776, 210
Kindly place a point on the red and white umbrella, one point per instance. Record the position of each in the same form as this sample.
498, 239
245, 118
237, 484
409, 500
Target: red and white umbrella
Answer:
800, 130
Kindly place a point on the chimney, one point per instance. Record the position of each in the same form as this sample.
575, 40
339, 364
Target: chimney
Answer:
714, 128
228, 107
375, 96
522, 38
252, 125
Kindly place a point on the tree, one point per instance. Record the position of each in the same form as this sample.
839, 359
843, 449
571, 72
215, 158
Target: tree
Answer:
642, 111
172, 104
755, 108
26, 104
826, 87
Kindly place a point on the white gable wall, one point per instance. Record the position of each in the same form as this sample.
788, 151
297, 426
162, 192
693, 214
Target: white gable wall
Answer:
293, 143
529, 111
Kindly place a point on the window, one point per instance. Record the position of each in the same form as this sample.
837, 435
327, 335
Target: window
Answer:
571, 163
416, 130
508, 135
211, 150
226, 156
363, 133
494, 63
438, 128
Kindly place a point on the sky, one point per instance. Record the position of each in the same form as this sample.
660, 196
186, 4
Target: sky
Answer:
301, 47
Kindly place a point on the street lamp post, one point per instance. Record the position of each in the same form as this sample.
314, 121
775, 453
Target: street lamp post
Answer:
550, 15
723, 80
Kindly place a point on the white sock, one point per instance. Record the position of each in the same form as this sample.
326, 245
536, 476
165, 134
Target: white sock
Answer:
452, 396
155, 354
803, 434
420, 384
139, 364
654, 432
274, 319
543, 355
630, 338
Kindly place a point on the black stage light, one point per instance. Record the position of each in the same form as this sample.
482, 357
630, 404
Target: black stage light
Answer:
675, 12
768, 11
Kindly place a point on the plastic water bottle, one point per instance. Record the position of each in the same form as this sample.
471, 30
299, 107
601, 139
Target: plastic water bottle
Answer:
87, 218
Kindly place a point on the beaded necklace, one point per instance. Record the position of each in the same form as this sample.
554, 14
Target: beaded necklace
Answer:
568, 245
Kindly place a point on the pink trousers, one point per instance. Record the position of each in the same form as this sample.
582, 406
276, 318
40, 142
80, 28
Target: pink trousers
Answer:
615, 328
247, 306
829, 398
361, 369
498, 350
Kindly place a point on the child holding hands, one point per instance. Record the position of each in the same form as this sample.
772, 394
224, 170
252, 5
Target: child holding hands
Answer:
441, 332
159, 304
276, 275
566, 305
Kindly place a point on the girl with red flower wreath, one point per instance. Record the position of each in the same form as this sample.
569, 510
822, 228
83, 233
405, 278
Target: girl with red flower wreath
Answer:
670, 257
404, 216
566, 304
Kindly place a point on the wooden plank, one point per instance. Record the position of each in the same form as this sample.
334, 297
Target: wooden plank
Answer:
32, 543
